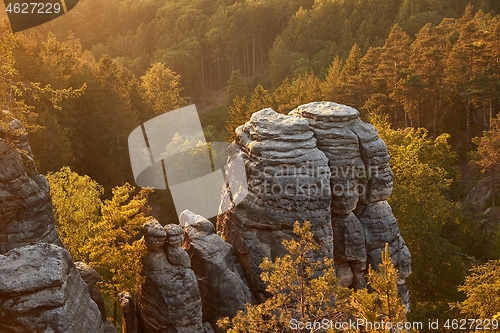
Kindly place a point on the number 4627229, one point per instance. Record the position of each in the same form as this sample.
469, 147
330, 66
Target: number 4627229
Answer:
34, 8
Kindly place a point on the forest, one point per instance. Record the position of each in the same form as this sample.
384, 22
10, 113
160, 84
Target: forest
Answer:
425, 73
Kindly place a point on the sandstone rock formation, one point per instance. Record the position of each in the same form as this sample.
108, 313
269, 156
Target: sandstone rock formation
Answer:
223, 291
287, 181
26, 209
40, 288
345, 167
169, 299
91, 278
129, 314
42, 291
361, 182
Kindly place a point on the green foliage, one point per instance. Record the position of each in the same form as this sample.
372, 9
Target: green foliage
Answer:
114, 249
434, 227
20, 96
305, 291
482, 288
381, 302
76, 204
488, 152
239, 113
236, 86
297, 290
161, 88
103, 234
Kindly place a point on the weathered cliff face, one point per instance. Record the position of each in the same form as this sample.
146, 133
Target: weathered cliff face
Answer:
361, 182
287, 181
169, 299
130, 323
25, 207
91, 279
42, 291
40, 288
345, 167
223, 291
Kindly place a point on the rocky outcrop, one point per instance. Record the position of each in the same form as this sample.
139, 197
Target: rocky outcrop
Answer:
169, 299
91, 278
223, 291
40, 288
42, 291
287, 181
25, 206
361, 182
129, 314
349, 213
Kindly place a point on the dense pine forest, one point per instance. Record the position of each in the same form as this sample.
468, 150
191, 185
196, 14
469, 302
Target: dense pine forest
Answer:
425, 73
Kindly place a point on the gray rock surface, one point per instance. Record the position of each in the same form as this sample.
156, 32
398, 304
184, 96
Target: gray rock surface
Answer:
169, 299
358, 178
25, 206
361, 181
129, 315
287, 181
42, 291
223, 291
91, 278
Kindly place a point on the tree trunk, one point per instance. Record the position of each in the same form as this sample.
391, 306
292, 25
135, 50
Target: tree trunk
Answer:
115, 307
253, 55
203, 86
218, 70
395, 117
494, 187
491, 114
468, 130
434, 125
485, 119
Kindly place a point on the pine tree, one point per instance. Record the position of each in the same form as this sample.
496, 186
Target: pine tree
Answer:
482, 288
428, 53
465, 66
161, 87
239, 113
115, 249
488, 148
236, 86
332, 84
393, 66
381, 303
260, 99
298, 292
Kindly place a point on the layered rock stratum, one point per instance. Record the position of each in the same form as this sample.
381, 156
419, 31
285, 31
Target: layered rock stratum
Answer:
323, 164
41, 289
169, 299
320, 163
223, 290
287, 181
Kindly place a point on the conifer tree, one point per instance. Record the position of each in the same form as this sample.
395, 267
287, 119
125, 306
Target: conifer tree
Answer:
482, 288
393, 65
297, 292
488, 148
381, 302
332, 84
260, 99
115, 249
239, 113
161, 87
236, 86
